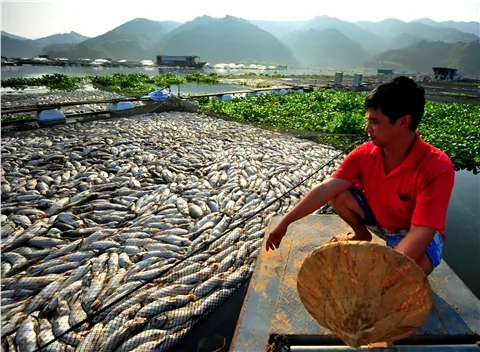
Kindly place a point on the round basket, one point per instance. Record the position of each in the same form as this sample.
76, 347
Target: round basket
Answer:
364, 292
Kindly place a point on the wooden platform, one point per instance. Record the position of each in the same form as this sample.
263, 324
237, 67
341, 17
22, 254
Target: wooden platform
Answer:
273, 309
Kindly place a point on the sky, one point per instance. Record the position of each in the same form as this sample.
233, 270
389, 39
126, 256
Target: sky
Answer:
34, 19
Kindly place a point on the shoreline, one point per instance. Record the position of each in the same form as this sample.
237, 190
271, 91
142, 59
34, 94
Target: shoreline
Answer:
440, 92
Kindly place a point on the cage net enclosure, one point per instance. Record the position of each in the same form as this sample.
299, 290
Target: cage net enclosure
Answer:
121, 235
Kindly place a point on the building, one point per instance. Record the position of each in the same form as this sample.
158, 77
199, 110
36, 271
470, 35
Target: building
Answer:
385, 72
180, 61
444, 73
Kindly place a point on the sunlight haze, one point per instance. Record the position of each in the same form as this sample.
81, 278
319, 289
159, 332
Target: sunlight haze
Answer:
35, 19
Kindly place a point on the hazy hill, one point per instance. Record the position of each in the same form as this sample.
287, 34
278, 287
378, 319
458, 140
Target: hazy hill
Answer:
12, 46
228, 39
467, 27
62, 38
20, 47
10, 35
281, 28
422, 56
321, 42
403, 40
366, 39
375, 37
132, 40
328, 48
391, 28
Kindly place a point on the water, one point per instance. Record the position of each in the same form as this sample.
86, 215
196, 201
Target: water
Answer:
462, 248
37, 71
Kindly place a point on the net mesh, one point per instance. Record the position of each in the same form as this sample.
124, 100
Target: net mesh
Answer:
113, 240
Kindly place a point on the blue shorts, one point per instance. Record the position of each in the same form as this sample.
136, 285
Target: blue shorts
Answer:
434, 250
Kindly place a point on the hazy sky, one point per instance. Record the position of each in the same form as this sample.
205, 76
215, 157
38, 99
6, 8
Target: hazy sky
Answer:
34, 19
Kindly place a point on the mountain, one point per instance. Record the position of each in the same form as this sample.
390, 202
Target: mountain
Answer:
12, 36
366, 39
403, 40
133, 40
279, 29
321, 42
228, 39
424, 55
433, 31
62, 38
12, 46
327, 48
22, 48
429, 22
466, 27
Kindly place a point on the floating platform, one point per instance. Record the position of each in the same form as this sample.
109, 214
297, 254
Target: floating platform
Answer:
273, 318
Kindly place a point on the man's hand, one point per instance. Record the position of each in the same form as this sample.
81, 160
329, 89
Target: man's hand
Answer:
275, 236
314, 199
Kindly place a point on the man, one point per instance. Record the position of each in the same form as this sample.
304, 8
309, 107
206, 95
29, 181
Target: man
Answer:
396, 186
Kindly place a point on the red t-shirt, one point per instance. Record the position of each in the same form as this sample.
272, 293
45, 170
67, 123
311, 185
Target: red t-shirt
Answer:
417, 192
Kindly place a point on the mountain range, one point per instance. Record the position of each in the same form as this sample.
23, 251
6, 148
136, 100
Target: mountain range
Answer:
322, 42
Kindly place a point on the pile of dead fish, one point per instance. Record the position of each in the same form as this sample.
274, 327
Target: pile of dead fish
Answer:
95, 210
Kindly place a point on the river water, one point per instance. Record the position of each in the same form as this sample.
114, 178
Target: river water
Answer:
188, 88
462, 249
35, 71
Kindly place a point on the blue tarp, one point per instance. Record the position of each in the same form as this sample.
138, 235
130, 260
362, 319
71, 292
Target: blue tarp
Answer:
161, 95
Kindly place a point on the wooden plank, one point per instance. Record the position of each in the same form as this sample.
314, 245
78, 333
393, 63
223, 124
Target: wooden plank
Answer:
402, 348
252, 331
272, 305
39, 107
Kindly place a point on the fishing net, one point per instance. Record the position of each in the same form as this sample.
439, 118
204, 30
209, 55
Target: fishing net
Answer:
123, 235
364, 292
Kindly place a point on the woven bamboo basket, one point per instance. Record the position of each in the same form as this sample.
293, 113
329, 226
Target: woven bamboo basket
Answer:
364, 292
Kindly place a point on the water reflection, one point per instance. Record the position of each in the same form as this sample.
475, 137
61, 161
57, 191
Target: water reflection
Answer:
462, 249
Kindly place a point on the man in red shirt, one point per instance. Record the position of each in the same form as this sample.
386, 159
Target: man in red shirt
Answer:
396, 186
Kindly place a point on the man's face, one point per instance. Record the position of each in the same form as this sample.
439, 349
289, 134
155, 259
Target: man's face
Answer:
380, 130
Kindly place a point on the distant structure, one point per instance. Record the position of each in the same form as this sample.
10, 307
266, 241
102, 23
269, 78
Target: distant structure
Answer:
357, 81
385, 72
444, 73
382, 73
338, 79
179, 61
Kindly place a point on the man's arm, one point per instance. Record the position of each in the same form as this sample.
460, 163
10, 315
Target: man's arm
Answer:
347, 174
416, 242
315, 199
344, 177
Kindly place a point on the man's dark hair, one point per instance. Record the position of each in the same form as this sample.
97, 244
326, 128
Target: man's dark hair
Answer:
400, 97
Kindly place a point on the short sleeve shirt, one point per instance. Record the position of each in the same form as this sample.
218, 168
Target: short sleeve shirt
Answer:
416, 192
